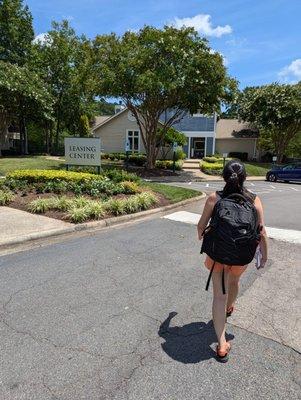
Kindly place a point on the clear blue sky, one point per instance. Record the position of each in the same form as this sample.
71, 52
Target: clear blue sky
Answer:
260, 39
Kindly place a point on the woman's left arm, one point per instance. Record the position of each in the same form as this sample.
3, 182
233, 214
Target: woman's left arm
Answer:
206, 215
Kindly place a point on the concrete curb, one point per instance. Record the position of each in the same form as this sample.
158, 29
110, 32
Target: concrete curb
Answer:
104, 223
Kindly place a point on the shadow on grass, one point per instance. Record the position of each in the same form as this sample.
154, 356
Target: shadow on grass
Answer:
189, 343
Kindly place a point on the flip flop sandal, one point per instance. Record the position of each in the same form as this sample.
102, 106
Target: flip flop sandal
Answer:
229, 311
223, 356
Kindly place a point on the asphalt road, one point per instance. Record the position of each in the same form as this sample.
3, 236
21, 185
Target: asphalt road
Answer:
122, 314
281, 201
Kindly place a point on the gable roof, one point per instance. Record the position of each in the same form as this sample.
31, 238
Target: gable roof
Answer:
234, 129
99, 119
103, 119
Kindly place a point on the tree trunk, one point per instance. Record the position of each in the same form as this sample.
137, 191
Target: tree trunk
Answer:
4, 122
47, 138
151, 155
25, 138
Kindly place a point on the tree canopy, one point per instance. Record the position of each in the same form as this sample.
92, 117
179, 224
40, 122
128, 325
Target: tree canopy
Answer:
276, 110
160, 70
16, 31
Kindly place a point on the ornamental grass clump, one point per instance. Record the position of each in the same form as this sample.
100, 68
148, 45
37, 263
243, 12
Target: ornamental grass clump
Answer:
39, 206
116, 206
95, 210
78, 214
132, 205
146, 200
5, 197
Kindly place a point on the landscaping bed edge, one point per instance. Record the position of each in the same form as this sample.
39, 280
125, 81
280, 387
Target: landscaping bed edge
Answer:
104, 223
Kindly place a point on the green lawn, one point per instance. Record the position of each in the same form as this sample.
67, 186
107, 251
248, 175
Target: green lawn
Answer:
257, 169
252, 168
172, 193
8, 164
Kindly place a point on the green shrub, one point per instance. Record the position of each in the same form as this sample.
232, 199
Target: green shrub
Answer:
129, 187
5, 197
211, 159
55, 187
137, 159
119, 175
39, 206
180, 154
168, 164
239, 155
37, 175
211, 168
15, 184
78, 214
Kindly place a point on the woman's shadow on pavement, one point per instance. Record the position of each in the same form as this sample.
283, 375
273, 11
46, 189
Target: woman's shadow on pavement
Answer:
190, 343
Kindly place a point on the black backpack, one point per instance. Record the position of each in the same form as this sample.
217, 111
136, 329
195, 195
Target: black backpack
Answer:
233, 233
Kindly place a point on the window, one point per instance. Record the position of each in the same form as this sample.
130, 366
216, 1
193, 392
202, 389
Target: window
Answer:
133, 138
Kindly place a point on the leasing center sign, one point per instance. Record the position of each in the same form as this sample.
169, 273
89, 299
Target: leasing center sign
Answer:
82, 151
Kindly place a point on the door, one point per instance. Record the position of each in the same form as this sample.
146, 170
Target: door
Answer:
296, 172
198, 147
286, 173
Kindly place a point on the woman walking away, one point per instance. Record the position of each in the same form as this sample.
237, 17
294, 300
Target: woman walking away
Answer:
235, 231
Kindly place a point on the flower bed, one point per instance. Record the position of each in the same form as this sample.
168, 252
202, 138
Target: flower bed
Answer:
79, 197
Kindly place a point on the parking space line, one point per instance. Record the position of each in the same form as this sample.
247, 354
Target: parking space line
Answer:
286, 235
294, 189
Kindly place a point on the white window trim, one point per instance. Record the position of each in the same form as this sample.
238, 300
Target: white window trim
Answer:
139, 141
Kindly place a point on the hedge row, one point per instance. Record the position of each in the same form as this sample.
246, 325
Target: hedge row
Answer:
39, 175
211, 168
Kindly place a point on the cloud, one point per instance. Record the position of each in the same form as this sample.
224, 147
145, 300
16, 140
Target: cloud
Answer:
41, 38
291, 73
202, 23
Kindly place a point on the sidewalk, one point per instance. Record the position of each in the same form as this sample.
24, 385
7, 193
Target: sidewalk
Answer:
20, 226
193, 175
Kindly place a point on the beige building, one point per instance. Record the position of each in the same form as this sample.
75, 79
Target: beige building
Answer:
114, 131
227, 135
235, 136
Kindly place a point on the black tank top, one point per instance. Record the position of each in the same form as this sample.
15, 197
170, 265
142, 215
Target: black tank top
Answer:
249, 195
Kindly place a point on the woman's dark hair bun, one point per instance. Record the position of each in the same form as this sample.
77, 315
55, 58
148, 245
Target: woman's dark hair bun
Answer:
234, 174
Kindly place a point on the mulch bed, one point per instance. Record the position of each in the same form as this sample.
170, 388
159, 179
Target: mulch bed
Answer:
22, 199
144, 173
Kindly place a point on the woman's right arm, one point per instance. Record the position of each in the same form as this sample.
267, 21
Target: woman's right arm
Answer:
264, 238
206, 215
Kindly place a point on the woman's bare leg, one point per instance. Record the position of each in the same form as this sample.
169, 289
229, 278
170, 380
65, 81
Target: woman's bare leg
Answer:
232, 289
233, 285
219, 307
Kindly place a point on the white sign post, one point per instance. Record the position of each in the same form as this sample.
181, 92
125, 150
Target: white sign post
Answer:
82, 151
225, 155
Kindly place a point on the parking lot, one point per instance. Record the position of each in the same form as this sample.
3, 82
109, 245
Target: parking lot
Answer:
281, 201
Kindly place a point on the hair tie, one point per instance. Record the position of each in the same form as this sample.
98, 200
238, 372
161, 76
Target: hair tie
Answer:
234, 175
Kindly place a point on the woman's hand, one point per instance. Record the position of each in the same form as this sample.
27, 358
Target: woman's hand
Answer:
200, 234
